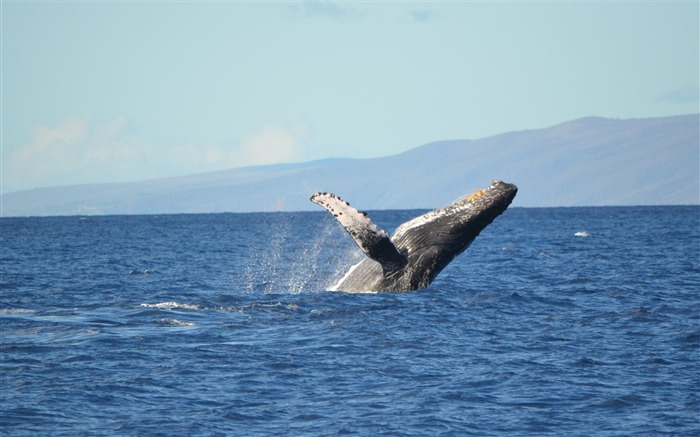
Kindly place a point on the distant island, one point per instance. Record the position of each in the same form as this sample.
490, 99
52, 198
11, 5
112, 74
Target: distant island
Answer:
586, 162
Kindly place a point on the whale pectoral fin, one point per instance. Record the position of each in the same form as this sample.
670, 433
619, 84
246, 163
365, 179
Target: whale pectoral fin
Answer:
374, 242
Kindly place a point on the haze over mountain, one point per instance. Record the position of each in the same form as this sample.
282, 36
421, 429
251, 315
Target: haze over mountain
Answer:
586, 162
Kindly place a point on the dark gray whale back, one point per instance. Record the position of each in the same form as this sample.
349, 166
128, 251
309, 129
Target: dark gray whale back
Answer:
419, 248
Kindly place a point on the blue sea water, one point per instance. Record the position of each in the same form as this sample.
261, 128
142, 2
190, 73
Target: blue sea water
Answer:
220, 325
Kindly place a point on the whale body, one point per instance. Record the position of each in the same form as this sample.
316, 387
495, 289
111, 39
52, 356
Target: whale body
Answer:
420, 248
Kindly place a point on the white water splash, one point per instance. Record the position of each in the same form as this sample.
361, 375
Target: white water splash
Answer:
171, 306
278, 268
176, 323
4, 311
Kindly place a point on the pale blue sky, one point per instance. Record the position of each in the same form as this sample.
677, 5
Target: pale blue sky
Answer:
120, 91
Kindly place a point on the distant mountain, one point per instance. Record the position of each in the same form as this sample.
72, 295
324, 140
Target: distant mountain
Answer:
590, 161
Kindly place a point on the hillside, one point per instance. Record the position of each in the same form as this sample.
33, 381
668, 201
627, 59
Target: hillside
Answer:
590, 161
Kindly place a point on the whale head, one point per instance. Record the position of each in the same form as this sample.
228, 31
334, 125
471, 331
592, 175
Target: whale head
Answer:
430, 241
453, 228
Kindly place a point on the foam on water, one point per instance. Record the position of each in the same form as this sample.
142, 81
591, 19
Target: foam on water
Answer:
171, 305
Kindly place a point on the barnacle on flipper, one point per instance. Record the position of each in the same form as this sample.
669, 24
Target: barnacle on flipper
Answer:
478, 193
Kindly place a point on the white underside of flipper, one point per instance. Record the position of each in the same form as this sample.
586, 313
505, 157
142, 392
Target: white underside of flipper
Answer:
354, 221
374, 242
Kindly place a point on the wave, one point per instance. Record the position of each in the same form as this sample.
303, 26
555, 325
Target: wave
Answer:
176, 323
4, 311
172, 306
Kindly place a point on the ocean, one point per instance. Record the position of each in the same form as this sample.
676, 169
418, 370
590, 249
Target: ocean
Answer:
556, 321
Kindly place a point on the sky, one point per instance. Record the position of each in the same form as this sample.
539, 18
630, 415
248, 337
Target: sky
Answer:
115, 91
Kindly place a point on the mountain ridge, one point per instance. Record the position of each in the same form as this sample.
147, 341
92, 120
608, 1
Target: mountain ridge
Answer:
591, 161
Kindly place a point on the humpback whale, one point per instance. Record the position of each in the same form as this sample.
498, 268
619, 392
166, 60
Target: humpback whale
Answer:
420, 248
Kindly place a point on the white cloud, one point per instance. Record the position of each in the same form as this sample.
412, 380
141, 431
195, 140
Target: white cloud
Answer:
273, 144
49, 143
270, 145
74, 152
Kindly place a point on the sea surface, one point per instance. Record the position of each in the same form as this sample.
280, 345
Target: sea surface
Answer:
556, 321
